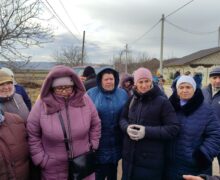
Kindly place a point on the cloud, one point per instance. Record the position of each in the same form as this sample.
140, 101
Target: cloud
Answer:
109, 25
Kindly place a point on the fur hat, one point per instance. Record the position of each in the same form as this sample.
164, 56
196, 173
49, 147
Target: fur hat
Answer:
62, 81
4, 77
215, 72
88, 71
186, 79
142, 73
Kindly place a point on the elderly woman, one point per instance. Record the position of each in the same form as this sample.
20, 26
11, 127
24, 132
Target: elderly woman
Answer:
11, 101
198, 142
148, 121
109, 101
62, 97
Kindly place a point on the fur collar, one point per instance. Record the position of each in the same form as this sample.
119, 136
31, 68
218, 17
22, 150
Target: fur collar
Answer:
192, 104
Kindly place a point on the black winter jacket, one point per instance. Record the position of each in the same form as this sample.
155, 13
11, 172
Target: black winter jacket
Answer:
156, 113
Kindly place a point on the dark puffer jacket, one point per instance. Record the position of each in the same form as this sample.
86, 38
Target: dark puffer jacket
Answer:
198, 142
144, 159
213, 101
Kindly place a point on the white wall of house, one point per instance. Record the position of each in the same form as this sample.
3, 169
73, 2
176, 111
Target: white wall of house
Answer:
171, 70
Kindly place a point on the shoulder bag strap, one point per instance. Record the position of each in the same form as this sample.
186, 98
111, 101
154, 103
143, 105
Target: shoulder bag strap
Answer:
66, 141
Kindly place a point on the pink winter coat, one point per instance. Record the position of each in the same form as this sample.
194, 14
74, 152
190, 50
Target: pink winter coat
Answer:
46, 138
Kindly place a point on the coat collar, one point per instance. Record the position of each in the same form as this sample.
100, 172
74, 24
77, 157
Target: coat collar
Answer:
151, 94
192, 105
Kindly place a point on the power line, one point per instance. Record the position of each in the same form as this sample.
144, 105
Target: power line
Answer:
69, 17
145, 33
59, 20
188, 31
179, 9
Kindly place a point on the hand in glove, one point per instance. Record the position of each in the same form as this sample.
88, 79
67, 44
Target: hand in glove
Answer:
141, 132
136, 132
132, 131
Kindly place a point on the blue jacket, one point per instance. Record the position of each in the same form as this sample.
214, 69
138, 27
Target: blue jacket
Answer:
109, 105
198, 142
214, 101
20, 90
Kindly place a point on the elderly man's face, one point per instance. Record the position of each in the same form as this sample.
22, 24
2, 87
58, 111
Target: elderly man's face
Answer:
215, 81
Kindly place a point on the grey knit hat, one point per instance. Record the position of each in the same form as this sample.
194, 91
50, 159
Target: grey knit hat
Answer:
215, 72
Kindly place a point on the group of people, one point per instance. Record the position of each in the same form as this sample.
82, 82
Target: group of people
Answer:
128, 118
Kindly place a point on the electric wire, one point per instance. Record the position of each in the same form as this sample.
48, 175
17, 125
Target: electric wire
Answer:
188, 31
145, 33
179, 8
59, 20
173, 12
69, 17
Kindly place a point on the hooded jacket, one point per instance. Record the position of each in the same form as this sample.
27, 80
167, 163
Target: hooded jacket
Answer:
109, 105
46, 139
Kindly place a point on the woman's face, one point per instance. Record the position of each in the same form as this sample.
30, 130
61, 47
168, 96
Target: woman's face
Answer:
108, 82
6, 89
64, 91
143, 85
185, 91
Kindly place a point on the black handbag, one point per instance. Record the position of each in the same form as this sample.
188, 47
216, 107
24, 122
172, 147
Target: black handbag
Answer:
81, 166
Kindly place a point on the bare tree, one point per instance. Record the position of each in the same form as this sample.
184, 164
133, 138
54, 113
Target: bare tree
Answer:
70, 56
21, 28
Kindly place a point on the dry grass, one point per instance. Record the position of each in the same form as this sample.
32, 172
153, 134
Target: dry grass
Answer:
32, 82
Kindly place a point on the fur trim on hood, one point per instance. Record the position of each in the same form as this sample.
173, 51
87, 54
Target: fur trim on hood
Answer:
51, 104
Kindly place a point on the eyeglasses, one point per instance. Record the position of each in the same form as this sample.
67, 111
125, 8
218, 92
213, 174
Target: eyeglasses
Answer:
63, 88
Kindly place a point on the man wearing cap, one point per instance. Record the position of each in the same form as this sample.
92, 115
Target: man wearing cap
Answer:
212, 92
90, 77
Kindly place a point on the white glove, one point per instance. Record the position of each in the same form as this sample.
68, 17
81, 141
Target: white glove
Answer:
132, 131
141, 132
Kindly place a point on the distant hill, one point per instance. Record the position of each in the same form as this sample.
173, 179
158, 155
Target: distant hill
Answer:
46, 66
42, 66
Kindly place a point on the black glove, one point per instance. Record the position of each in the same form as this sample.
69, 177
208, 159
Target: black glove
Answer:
201, 160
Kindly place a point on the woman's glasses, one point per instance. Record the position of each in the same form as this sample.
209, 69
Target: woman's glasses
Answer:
63, 88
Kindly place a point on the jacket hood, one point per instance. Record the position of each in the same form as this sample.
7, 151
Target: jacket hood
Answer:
99, 78
46, 91
192, 105
124, 78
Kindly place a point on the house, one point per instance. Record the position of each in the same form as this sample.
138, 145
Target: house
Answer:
198, 62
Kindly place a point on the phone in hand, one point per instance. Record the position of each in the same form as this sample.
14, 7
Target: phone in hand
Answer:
136, 128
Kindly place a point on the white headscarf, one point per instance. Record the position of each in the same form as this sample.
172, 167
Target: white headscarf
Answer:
186, 79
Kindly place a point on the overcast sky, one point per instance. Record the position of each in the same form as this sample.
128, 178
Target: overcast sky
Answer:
110, 24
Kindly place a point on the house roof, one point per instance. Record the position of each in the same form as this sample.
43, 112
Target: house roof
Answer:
192, 57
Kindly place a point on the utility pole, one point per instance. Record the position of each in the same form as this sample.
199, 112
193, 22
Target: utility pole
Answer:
83, 48
126, 58
161, 44
219, 36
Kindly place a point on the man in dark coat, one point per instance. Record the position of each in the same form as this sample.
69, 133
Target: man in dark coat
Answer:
90, 77
212, 92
